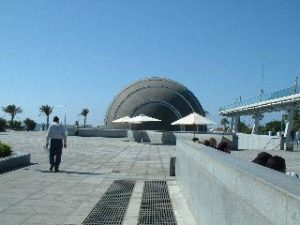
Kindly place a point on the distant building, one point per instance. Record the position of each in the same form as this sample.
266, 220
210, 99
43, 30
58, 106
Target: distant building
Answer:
160, 98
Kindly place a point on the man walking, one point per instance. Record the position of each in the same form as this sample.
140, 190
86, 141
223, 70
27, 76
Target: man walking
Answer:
298, 137
57, 136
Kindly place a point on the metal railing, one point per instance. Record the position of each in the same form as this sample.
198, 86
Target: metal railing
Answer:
263, 97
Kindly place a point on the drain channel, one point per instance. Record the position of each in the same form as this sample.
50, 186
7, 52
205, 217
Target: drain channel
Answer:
156, 207
112, 206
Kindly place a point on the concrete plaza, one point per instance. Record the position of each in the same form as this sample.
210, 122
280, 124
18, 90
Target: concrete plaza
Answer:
34, 195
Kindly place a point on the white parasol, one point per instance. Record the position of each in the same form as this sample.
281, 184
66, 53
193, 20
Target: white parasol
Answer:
193, 119
143, 118
125, 119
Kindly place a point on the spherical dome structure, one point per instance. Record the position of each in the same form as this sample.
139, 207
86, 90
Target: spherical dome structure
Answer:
160, 98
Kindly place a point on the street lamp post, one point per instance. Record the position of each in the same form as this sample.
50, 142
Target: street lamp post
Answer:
78, 118
65, 120
65, 114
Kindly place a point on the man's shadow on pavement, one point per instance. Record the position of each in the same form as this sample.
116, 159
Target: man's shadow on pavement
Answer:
71, 172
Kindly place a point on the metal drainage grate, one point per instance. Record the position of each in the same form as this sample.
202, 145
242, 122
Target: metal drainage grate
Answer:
156, 207
112, 206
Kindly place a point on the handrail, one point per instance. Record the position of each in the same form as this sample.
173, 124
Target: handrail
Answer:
271, 139
263, 97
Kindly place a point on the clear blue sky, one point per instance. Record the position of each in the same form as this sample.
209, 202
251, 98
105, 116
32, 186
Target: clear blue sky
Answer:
82, 53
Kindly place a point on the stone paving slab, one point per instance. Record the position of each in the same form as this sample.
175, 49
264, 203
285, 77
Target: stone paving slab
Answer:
181, 210
132, 213
34, 195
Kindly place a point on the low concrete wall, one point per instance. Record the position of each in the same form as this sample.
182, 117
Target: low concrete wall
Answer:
71, 131
235, 141
153, 137
254, 141
98, 132
16, 160
221, 189
231, 139
169, 137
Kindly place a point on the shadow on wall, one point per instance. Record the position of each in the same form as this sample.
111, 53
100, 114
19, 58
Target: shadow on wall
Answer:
161, 138
168, 138
140, 136
230, 142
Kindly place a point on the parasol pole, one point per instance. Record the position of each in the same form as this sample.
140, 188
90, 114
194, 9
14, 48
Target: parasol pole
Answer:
142, 140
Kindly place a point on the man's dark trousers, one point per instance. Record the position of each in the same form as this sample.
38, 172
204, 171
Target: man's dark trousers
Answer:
55, 152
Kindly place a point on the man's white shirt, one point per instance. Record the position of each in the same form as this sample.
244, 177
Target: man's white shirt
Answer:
56, 131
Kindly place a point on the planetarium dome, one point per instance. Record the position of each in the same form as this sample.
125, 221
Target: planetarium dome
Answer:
160, 98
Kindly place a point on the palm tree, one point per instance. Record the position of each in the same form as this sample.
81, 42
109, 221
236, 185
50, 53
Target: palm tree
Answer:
258, 116
47, 110
30, 124
224, 122
13, 111
206, 113
84, 113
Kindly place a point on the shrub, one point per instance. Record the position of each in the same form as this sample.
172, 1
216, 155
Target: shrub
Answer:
5, 150
17, 125
30, 124
243, 128
3, 124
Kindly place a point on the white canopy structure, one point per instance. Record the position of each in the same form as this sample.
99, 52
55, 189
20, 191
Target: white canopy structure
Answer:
143, 118
193, 119
125, 119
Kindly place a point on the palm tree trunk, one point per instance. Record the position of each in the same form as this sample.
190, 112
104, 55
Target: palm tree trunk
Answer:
47, 122
12, 122
84, 122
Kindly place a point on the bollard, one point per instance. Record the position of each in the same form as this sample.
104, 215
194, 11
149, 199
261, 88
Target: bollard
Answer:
172, 166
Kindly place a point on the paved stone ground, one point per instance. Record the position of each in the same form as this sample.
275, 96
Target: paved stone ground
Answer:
34, 195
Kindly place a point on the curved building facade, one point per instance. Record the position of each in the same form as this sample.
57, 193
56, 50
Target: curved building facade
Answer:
160, 98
